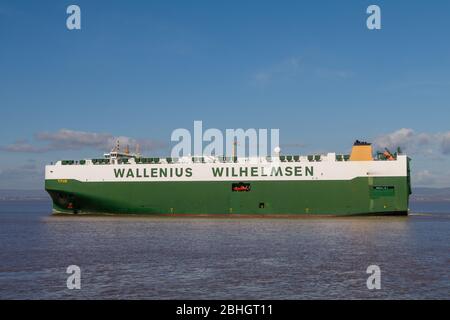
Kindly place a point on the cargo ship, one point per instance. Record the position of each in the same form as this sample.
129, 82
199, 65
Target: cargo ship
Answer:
359, 183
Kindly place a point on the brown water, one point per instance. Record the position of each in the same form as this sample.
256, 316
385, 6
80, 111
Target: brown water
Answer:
205, 258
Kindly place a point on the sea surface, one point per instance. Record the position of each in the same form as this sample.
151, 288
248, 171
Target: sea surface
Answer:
224, 258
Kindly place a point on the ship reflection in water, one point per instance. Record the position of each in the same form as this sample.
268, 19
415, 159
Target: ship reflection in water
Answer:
206, 258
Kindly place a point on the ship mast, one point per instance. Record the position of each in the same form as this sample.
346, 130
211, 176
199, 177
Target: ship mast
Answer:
138, 151
234, 150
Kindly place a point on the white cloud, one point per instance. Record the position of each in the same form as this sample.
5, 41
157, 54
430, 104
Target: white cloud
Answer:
66, 139
424, 177
285, 68
327, 73
445, 143
24, 146
23, 170
297, 66
428, 144
430, 178
69, 139
262, 77
429, 151
403, 138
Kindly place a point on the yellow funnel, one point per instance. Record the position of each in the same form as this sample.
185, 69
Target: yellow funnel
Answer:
361, 152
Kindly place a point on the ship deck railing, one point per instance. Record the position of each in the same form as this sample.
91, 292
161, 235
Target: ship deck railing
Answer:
210, 159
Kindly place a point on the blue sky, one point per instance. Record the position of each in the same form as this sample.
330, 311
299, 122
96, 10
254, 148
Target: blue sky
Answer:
140, 69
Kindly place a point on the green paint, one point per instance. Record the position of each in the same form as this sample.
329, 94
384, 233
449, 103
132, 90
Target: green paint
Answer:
357, 196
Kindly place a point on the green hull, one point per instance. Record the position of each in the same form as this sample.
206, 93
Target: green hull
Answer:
360, 196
